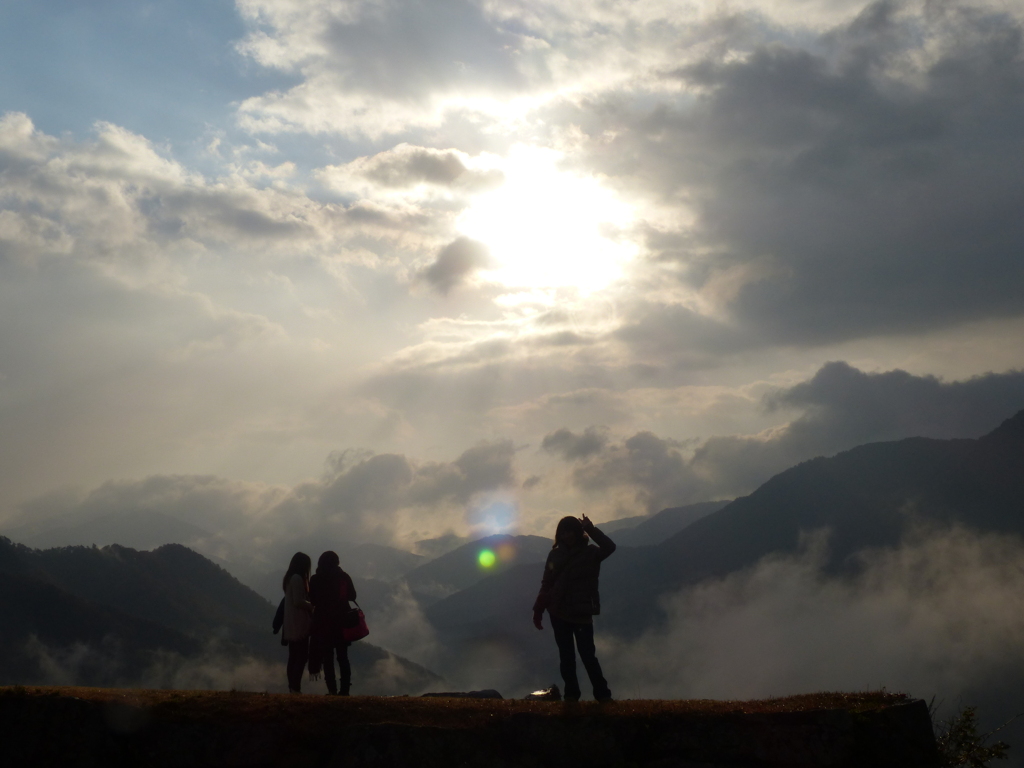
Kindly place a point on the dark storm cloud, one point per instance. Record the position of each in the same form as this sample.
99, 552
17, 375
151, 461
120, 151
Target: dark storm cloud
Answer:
456, 261
850, 406
842, 407
868, 182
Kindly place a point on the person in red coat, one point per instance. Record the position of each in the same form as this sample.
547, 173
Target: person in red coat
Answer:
330, 590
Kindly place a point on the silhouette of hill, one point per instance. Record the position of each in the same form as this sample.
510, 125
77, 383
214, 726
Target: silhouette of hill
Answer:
40, 614
171, 585
138, 604
623, 523
378, 561
658, 527
868, 497
146, 529
462, 568
137, 529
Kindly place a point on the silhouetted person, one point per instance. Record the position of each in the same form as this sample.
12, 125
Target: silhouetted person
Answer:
297, 618
330, 590
568, 592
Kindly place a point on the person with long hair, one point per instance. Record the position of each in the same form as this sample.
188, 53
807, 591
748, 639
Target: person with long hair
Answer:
330, 591
569, 593
297, 617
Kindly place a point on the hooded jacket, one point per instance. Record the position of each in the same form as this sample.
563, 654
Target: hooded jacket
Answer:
569, 587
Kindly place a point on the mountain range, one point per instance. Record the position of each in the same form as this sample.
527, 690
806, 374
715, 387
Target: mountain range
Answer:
175, 600
870, 497
116, 614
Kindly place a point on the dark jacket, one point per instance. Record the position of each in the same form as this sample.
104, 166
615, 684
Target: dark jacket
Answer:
330, 592
569, 588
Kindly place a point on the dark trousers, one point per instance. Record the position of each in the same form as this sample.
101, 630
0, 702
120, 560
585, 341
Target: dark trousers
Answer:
568, 635
298, 654
343, 685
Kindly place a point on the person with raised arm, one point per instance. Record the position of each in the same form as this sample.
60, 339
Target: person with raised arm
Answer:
569, 593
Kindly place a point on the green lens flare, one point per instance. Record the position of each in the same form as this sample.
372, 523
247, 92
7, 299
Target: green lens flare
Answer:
486, 558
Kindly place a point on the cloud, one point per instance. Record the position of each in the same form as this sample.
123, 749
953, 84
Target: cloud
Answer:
139, 301
254, 527
939, 616
370, 499
571, 446
406, 166
377, 66
841, 407
853, 183
455, 263
652, 468
399, 625
845, 405
118, 199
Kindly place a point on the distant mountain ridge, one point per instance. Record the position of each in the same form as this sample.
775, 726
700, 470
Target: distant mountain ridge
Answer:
668, 522
461, 568
868, 497
129, 529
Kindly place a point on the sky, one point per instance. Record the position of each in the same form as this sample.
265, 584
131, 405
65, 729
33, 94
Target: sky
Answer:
390, 270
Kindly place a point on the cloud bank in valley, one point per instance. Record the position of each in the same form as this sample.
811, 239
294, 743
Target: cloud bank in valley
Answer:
938, 616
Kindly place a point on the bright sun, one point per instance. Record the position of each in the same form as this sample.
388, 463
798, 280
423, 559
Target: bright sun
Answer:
549, 229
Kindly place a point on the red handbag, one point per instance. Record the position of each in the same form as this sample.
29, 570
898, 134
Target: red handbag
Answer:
354, 625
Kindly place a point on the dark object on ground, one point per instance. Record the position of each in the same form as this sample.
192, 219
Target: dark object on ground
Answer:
97, 727
487, 693
544, 694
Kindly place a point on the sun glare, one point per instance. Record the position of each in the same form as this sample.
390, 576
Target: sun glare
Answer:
546, 228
